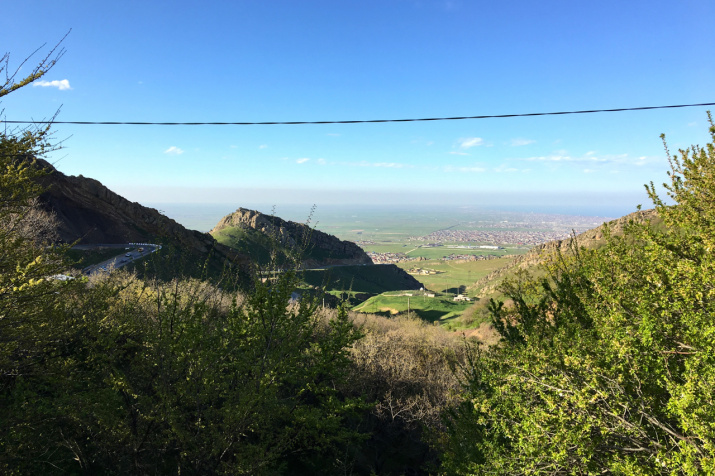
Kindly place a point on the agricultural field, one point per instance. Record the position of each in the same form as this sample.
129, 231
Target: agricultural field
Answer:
432, 309
452, 276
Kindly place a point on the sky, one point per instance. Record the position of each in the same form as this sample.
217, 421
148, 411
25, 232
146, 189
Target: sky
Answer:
256, 61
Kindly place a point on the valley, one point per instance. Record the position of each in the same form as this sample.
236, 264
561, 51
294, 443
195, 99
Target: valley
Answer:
446, 250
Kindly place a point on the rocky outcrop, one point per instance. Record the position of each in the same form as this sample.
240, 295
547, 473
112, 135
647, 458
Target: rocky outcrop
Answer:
318, 248
590, 239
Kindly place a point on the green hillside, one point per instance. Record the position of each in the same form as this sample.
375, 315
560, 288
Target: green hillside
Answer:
251, 242
358, 283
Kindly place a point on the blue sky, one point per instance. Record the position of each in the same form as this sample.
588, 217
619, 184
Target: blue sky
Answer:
252, 61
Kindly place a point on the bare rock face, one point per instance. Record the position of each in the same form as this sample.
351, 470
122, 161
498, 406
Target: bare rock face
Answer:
90, 213
321, 249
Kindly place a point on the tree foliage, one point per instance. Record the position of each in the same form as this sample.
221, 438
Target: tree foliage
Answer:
607, 365
27, 257
181, 377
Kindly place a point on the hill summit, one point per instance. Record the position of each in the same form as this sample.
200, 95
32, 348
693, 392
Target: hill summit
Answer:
258, 235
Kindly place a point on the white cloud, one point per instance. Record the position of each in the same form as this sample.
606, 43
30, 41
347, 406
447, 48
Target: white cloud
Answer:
568, 158
61, 85
457, 152
505, 168
519, 142
173, 150
263, 146
321, 161
593, 159
474, 169
365, 163
470, 142
302, 161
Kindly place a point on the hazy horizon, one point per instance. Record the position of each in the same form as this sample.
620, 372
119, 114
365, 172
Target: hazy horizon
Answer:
204, 216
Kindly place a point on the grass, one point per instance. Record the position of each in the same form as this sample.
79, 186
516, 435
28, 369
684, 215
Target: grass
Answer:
247, 241
434, 309
373, 279
453, 276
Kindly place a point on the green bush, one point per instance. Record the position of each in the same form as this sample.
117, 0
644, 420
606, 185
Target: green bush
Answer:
608, 365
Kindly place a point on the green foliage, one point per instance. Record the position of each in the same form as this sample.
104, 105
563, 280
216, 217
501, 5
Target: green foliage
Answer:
27, 259
181, 377
607, 365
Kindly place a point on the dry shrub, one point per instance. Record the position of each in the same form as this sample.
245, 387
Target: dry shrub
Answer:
33, 223
404, 363
486, 334
404, 366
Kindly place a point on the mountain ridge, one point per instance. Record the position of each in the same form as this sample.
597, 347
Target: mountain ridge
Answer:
88, 212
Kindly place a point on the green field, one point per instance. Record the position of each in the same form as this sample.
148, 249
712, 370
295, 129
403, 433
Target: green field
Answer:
438, 308
417, 249
453, 276
443, 251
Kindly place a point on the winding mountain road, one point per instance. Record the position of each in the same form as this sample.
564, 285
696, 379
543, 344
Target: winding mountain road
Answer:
129, 253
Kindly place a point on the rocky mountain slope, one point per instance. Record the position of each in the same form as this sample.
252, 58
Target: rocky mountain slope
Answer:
256, 234
590, 239
89, 213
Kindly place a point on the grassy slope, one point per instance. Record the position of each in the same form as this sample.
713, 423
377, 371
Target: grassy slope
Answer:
259, 246
438, 308
247, 241
368, 279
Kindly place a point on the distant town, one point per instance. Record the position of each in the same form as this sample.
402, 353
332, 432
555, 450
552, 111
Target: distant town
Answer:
387, 258
495, 237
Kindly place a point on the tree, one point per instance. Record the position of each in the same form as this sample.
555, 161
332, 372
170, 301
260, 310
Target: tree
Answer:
27, 258
41, 68
608, 364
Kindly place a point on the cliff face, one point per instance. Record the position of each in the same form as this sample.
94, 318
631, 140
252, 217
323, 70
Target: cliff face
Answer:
320, 249
590, 239
91, 213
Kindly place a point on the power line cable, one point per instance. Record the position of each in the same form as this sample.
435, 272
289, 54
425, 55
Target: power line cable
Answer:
370, 121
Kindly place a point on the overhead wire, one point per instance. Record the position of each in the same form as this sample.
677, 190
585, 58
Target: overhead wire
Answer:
368, 121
